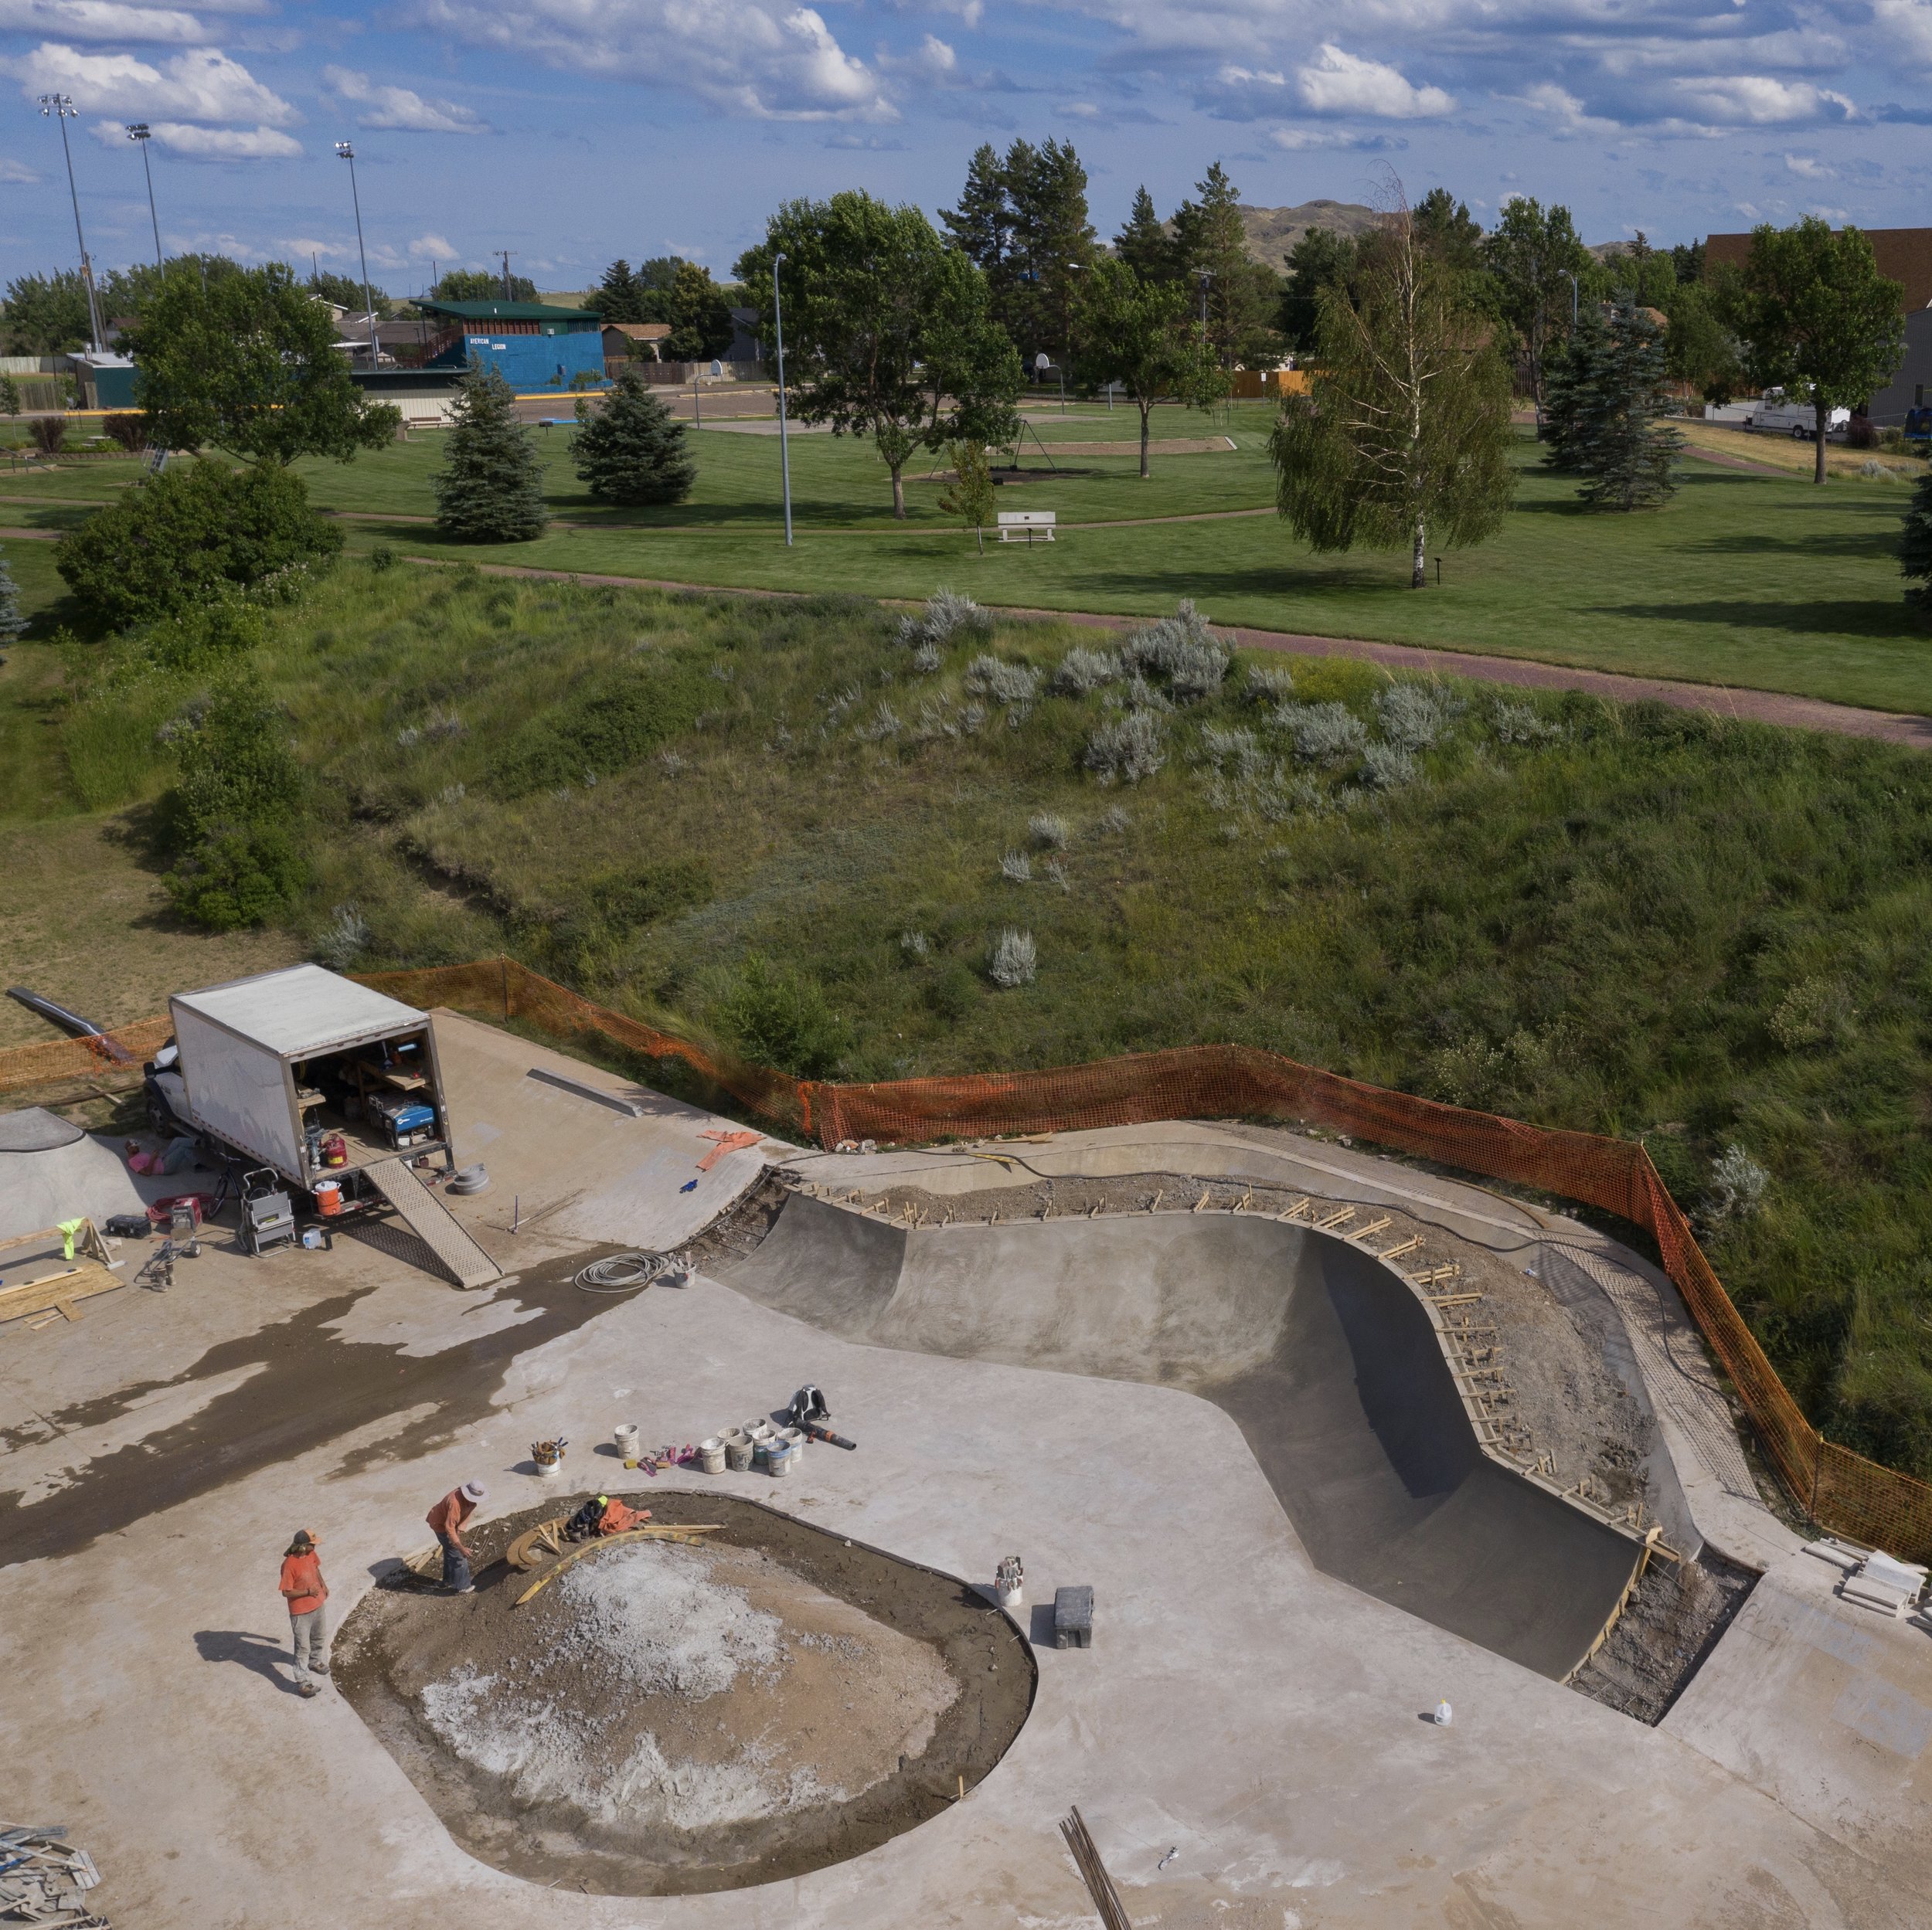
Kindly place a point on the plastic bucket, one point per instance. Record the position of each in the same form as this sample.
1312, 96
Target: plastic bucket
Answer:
625, 1435
759, 1430
794, 1438
328, 1198
738, 1454
780, 1458
711, 1456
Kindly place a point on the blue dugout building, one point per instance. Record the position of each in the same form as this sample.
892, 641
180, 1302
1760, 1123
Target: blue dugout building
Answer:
533, 346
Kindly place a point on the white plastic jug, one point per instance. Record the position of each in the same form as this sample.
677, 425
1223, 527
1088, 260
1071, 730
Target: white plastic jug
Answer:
1444, 1715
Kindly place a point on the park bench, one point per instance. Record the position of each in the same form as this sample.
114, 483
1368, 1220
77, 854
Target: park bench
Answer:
1026, 525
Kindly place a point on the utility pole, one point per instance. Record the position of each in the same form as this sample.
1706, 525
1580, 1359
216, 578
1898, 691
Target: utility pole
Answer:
784, 450
506, 254
139, 133
348, 153
1572, 280
60, 107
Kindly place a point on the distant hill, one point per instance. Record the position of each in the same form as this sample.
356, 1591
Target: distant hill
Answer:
1272, 232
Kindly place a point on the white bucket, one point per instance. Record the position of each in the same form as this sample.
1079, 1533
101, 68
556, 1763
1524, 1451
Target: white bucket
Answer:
711, 1456
759, 1430
1010, 1599
796, 1437
781, 1459
625, 1434
738, 1455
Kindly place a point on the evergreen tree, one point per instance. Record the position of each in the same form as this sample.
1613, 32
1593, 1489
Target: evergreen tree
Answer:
1446, 227
1320, 259
1605, 394
977, 227
1915, 543
1144, 243
12, 622
1210, 240
1052, 241
631, 451
490, 489
618, 298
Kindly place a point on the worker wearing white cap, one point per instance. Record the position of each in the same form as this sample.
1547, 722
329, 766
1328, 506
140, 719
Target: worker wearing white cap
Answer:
446, 1518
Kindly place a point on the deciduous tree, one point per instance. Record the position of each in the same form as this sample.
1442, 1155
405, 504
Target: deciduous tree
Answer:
248, 364
889, 331
1818, 319
1404, 438
46, 314
1142, 334
971, 496
478, 284
699, 313
1531, 252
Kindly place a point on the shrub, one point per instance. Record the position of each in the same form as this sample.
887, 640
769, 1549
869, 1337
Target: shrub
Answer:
1082, 671
129, 428
1817, 1011
182, 538
780, 1017
1517, 724
1268, 686
1737, 1186
1915, 543
1016, 867
915, 946
1181, 651
1861, 432
343, 940
1129, 748
1015, 959
211, 634
1413, 717
642, 893
1050, 833
12, 622
608, 723
48, 432
951, 992
1327, 733
1011, 685
1387, 767
631, 451
225, 822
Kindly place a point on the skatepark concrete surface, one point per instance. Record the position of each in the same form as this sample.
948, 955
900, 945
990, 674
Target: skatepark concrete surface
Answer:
1246, 1737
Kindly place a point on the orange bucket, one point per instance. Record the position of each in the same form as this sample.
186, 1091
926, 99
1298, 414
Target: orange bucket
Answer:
328, 1198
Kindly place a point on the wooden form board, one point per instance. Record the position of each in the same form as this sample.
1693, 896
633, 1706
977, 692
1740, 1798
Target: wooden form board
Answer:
86, 1274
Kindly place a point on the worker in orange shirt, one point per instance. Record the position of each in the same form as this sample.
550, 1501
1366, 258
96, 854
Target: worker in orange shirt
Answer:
304, 1590
447, 1519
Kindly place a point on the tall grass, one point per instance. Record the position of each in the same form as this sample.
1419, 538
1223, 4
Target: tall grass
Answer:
1633, 920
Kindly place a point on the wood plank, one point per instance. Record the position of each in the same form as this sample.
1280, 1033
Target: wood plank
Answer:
78, 1283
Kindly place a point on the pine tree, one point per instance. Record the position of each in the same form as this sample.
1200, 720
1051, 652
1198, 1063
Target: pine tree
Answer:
490, 489
977, 227
631, 451
1210, 238
618, 298
1915, 543
1605, 395
1144, 243
1051, 240
12, 622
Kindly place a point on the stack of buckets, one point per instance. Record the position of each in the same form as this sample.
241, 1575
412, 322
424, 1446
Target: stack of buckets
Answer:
757, 1444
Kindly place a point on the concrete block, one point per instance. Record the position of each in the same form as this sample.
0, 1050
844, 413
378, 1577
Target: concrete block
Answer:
1073, 1618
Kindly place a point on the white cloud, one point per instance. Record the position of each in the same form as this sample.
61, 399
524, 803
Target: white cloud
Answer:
101, 20
431, 248
1563, 108
201, 85
1907, 24
932, 60
13, 174
1304, 140
764, 59
401, 109
1809, 167
1756, 100
222, 144
1335, 82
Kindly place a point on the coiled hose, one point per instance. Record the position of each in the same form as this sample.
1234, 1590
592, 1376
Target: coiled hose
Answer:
622, 1273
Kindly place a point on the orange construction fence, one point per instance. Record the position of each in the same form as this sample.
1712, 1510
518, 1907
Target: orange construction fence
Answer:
1837, 1487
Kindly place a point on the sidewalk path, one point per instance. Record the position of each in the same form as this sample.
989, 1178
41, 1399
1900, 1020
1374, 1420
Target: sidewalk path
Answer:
1716, 700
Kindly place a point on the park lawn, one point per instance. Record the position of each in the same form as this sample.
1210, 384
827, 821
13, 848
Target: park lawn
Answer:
1740, 580
1627, 919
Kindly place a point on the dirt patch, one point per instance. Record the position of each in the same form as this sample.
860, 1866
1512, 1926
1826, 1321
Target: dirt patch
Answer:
1671, 1623
664, 1720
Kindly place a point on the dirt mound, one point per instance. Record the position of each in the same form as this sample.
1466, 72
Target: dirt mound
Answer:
664, 1718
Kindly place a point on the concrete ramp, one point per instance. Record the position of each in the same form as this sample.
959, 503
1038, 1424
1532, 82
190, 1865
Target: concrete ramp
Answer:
1322, 1355
50, 1171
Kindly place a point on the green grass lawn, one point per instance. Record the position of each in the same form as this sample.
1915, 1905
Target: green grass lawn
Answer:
1758, 582
1632, 920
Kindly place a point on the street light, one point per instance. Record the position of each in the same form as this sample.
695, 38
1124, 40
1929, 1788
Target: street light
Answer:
60, 107
1206, 275
347, 154
139, 133
784, 449
1572, 280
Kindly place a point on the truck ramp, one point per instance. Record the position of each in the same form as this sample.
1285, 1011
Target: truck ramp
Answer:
428, 1217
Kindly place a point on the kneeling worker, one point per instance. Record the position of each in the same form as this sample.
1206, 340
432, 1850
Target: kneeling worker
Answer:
447, 1519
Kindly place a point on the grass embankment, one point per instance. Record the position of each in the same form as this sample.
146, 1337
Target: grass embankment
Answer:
762, 822
1745, 580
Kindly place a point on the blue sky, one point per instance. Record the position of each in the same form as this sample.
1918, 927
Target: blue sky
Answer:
570, 131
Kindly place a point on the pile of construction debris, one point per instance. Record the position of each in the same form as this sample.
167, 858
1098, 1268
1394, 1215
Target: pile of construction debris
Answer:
45, 1879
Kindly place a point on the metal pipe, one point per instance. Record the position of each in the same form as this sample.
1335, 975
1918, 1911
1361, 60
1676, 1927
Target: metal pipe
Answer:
785, 447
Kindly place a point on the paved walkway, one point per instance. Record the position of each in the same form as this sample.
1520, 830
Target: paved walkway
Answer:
1716, 700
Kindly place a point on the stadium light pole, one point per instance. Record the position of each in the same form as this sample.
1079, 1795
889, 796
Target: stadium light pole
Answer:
784, 449
141, 134
1572, 280
348, 153
60, 107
